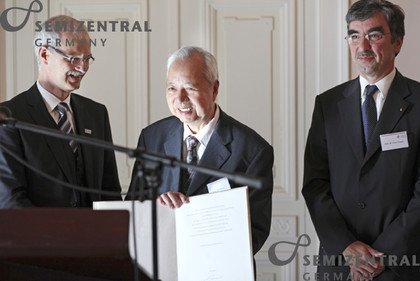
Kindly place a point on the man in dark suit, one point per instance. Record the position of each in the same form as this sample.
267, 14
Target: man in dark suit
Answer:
50, 103
362, 159
222, 142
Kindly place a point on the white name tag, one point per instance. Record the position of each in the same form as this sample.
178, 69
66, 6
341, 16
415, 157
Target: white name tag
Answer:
394, 141
219, 185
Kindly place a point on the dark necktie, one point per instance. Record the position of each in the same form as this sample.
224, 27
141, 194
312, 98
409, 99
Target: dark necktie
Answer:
64, 123
369, 114
192, 157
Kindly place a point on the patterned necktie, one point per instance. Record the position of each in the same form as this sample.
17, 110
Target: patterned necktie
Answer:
369, 114
64, 123
192, 157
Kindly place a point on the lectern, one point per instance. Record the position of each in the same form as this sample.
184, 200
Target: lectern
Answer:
65, 244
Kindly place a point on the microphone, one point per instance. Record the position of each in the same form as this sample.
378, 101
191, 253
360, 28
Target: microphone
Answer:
5, 112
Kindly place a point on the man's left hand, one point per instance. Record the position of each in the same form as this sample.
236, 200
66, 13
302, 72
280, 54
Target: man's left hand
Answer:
173, 199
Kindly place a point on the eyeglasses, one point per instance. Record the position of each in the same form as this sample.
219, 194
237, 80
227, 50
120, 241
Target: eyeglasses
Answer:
74, 60
355, 38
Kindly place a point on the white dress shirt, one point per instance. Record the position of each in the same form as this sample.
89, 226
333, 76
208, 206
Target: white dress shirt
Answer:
51, 102
203, 136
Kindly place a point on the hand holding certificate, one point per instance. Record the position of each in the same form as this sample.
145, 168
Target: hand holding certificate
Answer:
206, 239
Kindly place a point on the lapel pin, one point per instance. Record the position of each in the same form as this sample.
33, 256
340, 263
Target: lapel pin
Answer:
401, 109
88, 131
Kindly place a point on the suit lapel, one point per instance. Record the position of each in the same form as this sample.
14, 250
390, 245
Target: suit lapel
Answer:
392, 111
350, 113
39, 113
215, 154
173, 147
84, 121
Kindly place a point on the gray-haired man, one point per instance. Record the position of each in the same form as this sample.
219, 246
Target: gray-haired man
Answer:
63, 60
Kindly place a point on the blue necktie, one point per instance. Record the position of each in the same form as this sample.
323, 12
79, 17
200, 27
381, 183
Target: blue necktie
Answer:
369, 114
64, 123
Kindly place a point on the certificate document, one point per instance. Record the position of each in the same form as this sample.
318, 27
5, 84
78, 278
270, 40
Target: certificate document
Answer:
214, 237
206, 239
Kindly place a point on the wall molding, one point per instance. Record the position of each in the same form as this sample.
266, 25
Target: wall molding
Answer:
278, 17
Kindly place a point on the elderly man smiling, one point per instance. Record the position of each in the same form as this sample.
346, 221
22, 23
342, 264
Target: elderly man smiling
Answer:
200, 132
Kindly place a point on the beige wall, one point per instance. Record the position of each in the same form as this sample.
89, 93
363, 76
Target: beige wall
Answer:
2, 61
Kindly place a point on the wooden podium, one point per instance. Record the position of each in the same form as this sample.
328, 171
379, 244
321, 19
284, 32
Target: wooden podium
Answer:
65, 244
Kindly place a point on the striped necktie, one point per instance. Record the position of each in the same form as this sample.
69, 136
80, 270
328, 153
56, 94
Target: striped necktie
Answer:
64, 123
369, 114
192, 156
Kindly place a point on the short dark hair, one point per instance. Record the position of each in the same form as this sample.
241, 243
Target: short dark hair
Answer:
364, 9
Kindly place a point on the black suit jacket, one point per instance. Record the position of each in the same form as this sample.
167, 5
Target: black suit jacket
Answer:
373, 197
22, 187
233, 147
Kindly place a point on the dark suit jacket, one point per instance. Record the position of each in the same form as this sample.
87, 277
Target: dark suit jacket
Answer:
373, 197
233, 147
22, 187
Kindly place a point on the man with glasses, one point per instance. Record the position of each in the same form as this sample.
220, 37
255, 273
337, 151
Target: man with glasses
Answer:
362, 159
63, 59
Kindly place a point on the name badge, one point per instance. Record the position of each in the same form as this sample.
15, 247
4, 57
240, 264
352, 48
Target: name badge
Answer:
394, 141
219, 185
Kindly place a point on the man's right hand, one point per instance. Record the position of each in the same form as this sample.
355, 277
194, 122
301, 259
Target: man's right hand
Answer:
173, 199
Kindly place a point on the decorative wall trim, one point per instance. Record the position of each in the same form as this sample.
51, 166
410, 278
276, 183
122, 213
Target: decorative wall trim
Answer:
132, 59
278, 17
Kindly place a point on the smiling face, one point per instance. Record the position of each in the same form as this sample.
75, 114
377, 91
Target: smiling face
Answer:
189, 95
376, 59
57, 75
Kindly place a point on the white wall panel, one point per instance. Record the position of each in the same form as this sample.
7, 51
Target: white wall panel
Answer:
323, 63
119, 76
252, 44
21, 66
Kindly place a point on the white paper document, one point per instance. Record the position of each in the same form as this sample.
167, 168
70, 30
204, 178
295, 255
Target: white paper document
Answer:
214, 237
206, 239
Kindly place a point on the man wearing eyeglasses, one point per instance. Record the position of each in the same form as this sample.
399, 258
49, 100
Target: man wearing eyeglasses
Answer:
63, 59
362, 159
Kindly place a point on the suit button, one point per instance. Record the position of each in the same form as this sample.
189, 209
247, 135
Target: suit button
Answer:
361, 205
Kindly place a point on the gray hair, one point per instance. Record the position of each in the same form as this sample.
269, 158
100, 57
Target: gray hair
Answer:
364, 9
211, 73
51, 35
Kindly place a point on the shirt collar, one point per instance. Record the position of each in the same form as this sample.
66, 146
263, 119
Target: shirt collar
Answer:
383, 85
204, 135
50, 100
